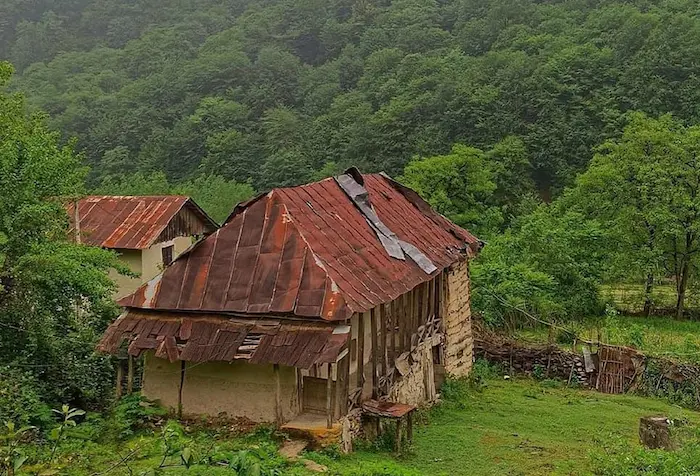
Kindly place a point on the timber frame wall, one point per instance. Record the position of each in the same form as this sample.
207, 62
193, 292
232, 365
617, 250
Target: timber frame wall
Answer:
381, 341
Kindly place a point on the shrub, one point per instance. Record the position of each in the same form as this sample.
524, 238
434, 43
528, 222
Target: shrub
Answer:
20, 399
131, 414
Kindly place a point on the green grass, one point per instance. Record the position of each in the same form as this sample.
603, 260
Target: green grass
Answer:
519, 428
630, 297
660, 336
510, 427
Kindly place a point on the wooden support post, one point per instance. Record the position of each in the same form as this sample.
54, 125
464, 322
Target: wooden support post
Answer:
183, 365
343, 384
405, 321
279, 417
425, 303
300, 388
383, 325
374, 330
397, 443
76, 220
392, 334
329, 398
130, 376
361, 351
409, 427
120, 377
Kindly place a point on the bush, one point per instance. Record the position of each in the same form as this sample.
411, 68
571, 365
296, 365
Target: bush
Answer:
20, 399
131, 414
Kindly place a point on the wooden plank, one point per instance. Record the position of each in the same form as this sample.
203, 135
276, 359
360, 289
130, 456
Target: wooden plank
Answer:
392, 334
183, 365
279, 418
343, 383
300, 388
409, 427
374, 330
425, 303
360, 351
130, 376
120, 376
329, 398
383, 364
404, 319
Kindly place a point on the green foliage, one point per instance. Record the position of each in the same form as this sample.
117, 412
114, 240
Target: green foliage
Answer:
216, 195
21, 399
55, 295
245, 89
459, 185
131, 414
11, 456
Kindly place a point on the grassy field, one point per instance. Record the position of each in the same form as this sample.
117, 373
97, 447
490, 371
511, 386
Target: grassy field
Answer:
513, 427
653, 335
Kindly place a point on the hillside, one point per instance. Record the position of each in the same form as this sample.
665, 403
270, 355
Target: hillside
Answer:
280, 92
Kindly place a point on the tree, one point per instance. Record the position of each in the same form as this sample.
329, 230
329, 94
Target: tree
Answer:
55, 294
460, 186
646, 187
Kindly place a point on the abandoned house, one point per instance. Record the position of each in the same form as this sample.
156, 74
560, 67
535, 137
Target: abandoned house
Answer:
148, 232
308, 301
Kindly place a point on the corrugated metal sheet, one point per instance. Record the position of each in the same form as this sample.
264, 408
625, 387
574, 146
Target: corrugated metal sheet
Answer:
206, 338
122, 222
308, 251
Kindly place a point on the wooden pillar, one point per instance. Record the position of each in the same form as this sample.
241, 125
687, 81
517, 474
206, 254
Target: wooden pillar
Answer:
425, 303
361, 351
391, 351
76, 220
130, 376
120, 377
329, 397
300, 388
383, 325
183, 365
343, 383
405, 320
279, 417
409, 427
397, 443
374, 330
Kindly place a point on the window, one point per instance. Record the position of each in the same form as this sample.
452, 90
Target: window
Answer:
167, 255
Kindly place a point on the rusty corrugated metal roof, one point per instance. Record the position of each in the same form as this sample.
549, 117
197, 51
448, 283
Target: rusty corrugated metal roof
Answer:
130, 222
308, 251
216, 338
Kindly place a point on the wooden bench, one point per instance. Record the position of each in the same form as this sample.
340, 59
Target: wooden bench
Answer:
392, 411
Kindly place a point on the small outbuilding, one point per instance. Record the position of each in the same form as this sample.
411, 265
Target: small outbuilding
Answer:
307, 302
148, 232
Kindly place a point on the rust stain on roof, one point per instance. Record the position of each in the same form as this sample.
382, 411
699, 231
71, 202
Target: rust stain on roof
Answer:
131, 222
309, 251
209, 337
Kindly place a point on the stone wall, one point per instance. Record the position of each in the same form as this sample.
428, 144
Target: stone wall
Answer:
417, 386
458, 323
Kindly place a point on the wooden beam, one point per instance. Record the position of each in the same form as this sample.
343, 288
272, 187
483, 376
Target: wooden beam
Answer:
391, 334
343, 383
425, 303
383, 325
300, 389
329, 397
120, 377
183, 365
279, 417
361, 351
130, 376
374, 330
404, 321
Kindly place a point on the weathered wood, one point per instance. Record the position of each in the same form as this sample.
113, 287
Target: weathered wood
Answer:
343, 383
409, 427
279, 418
374, 330
361, 351
120, 377
391, 351
431, 299
130, 376
329, 398
397, 436
183, 365
405, 321
76, 220
655, 433
300, 388
383, 364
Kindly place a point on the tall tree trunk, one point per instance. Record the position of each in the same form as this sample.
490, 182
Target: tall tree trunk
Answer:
648, 286
682, 285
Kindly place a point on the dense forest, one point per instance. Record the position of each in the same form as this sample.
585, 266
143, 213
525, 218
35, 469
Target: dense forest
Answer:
281, 92
563, 133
